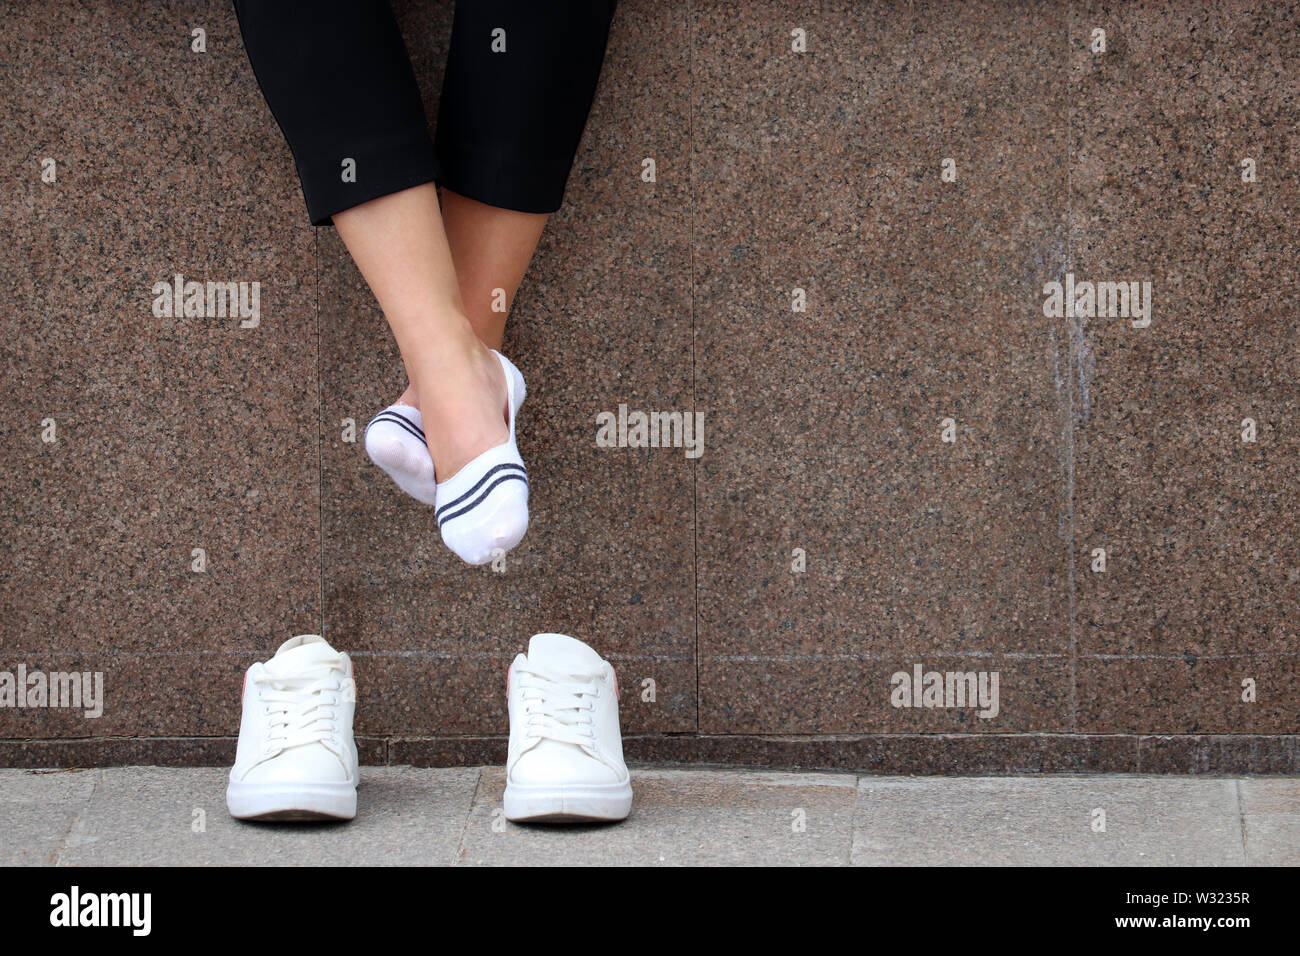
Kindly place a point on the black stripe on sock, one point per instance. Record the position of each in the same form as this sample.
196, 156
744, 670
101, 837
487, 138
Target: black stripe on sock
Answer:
479, 484
396, 419
483, 497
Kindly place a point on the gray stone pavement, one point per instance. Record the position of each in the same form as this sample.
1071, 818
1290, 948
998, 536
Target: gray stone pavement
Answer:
155, 815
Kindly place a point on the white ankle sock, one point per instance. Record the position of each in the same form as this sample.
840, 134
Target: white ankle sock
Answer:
395, 442
483, 508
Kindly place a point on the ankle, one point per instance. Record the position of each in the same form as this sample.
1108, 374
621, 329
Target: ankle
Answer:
448, 350
409, 398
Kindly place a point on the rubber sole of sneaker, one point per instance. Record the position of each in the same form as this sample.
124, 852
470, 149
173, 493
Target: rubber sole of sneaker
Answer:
602, 803
292, 802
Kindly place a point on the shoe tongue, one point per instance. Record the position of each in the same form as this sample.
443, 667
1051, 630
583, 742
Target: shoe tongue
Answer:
298, 653
564, 654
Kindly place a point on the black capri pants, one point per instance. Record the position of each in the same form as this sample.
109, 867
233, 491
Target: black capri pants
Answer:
519, 83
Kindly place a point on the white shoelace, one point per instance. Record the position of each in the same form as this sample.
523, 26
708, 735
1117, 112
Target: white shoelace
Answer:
301, 709
558, 706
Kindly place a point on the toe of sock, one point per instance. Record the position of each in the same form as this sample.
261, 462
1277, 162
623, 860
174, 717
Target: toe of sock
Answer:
384, 450
489, 536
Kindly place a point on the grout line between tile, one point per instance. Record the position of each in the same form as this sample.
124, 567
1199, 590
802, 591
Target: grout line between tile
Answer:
1241, 821
853, 818
690, 241
76, 819
458, 857
1071, 357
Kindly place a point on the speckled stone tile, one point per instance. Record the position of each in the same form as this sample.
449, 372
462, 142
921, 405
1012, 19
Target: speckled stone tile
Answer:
921, 306
920, 753
85, 752
191, 184
1199, 527
166, 751
158, 694
603, 318
853, 693
115, 509
1235, 753
448, 751
1191, 696
172, 433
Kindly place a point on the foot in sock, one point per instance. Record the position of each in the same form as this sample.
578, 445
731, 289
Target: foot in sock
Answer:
565, 758
395, 442
482, 509
296, 758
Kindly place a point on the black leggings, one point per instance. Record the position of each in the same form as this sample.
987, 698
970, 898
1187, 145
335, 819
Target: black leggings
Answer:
338, 80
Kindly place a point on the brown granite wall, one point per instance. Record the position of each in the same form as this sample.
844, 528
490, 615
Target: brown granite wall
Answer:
941, 458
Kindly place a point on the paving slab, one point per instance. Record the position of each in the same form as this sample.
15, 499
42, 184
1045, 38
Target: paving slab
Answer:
37, 810
145, 816
682, 817
1017, 821
1271, 820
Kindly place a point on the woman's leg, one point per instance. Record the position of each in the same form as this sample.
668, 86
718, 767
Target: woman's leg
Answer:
519, 83
518, 87
339, 82
399, 244
491, 248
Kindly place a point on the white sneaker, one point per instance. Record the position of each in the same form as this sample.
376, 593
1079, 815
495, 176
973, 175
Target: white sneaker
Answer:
565, 761
296, 758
